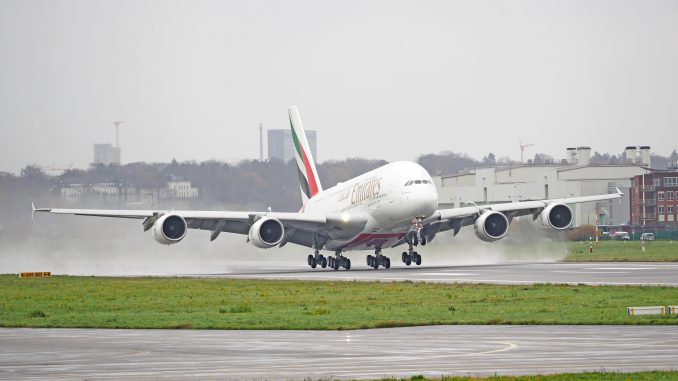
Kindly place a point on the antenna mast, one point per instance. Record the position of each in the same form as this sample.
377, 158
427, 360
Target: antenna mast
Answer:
117, 124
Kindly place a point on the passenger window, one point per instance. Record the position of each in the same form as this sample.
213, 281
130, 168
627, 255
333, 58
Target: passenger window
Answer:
417, 182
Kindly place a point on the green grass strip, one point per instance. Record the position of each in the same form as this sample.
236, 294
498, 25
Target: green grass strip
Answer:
590, 376
103, 302
623, 251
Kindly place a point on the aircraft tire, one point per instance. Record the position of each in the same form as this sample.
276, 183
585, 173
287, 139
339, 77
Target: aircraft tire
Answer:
408, 260
314, 263
347, 264
417, 258
404, 257
309, 259
323, 262
387, 262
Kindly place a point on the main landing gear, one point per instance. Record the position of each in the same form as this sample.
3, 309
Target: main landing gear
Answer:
378, 259
317, 259
335, 263
340, 261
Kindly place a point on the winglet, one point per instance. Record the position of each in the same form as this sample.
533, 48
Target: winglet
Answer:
33, 214
619, 192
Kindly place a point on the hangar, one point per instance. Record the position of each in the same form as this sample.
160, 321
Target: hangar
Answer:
572, 177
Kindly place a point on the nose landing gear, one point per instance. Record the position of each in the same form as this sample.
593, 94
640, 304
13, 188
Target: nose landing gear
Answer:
413, 238
410, 257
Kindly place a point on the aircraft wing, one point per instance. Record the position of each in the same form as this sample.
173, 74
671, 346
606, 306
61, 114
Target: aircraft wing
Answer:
301, 228
455, 218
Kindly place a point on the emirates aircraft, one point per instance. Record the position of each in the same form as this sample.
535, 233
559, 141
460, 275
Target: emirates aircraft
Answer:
393, 205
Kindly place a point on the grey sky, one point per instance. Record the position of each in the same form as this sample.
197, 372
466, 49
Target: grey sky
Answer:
387, 79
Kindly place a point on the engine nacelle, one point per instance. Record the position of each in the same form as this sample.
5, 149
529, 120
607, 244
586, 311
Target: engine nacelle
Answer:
169, 229
266, 233
491, 226
556, 216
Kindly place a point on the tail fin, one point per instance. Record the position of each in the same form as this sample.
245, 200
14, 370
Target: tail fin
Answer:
308, 175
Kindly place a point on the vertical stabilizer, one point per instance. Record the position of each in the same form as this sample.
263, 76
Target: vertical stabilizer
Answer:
308, 175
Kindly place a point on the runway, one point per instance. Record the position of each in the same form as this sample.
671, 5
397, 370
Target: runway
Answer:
398, 352
599, 273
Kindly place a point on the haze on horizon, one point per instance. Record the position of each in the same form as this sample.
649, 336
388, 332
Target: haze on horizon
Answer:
377, 79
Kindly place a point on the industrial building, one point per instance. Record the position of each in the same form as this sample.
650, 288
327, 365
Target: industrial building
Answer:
572, 177
654, 200
281, 146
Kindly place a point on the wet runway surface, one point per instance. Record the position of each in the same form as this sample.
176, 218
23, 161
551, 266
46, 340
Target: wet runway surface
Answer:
398, 352
601, 273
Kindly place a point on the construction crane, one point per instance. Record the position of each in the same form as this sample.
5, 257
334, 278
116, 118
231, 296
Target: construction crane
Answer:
117, 124
522, 150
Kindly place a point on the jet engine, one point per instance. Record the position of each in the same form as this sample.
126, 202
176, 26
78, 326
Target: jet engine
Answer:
491, 226
556, 216
266, 232
169, 229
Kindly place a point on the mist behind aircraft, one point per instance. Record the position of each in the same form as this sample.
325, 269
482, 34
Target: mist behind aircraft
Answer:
92, 246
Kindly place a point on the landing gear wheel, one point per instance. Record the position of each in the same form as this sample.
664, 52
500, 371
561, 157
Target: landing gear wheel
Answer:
417, 258
347, 264
408, 260
336, 264
387, 262
314, 263
310, 259
404, 257
323, 262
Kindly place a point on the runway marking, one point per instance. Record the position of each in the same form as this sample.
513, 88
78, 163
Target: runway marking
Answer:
508, 347
624, 268
448, 274
589, 272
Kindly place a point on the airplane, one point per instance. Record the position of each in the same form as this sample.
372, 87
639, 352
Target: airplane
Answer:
393, 205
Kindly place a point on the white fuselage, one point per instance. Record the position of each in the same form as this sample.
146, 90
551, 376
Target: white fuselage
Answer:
391, 197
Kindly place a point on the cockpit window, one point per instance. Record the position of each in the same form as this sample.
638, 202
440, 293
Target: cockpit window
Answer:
412, 182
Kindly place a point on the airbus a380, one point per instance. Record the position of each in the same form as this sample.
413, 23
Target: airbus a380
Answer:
393, 205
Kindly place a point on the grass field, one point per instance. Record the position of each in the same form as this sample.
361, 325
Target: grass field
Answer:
597, 376
623, 251
255, 304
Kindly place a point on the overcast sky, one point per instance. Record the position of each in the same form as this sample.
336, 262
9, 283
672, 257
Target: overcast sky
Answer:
376, 79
